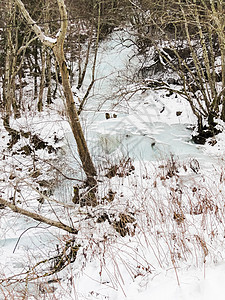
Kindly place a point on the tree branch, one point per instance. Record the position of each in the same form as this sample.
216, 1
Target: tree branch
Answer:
64, 22
38, 217
48, 41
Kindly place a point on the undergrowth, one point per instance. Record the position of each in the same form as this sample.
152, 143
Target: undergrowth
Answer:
155, 217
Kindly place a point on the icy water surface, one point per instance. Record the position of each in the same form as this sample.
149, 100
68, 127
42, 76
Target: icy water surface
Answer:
137, 134
144, 141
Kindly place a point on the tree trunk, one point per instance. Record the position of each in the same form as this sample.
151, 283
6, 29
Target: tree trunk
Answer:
42, 81
35, 70
83, 151
48, 76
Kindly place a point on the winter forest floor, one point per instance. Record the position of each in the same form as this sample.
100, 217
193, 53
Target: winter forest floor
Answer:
158, 231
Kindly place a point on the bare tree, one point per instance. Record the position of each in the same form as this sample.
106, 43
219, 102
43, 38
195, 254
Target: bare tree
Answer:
15, 48
56, 44
14, 57
188, 37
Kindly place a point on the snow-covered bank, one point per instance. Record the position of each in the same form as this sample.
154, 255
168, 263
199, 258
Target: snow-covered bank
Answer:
158, 231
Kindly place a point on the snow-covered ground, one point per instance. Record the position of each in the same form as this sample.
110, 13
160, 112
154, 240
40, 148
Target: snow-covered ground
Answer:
161, 236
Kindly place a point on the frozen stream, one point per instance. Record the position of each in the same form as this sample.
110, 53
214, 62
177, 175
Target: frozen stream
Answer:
145, 142
147, 129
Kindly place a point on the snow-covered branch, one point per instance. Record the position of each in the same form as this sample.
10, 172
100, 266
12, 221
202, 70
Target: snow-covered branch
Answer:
46, 40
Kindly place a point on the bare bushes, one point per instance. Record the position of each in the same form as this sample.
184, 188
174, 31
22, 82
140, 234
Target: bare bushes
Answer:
183, 216
179, 223
170, 215
188, 41
177, 211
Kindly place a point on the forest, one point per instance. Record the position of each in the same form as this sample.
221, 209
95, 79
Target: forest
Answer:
112, 149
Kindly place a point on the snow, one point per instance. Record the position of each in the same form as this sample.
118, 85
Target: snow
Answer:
175, 247
164, 286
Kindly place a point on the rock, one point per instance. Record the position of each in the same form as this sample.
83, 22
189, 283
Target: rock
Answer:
107, 116
26, 150
194, 165
121, 225
76, 197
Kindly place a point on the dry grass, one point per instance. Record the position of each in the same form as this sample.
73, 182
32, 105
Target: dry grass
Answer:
168, 215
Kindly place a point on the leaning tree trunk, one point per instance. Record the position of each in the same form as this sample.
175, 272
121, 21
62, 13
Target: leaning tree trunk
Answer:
84, 154
57, 46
